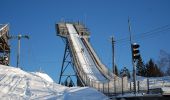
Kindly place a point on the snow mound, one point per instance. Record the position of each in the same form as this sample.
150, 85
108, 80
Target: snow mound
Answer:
76, 94
16, 84
44, 76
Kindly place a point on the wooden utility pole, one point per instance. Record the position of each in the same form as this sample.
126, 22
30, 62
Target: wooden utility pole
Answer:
133, 63
113, 55
113, 63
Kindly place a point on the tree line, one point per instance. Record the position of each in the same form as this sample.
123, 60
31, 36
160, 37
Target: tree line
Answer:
149, 69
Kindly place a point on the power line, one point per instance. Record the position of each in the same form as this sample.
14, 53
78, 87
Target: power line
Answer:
151, 33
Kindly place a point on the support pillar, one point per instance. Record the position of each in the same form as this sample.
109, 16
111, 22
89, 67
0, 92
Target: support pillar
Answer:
66, 63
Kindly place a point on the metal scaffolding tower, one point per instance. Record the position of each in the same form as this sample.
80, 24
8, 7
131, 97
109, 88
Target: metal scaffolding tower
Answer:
66, 63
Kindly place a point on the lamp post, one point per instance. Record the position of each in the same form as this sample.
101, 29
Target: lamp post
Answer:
113, 57
19, 36
113, 63
133, 63
18, 53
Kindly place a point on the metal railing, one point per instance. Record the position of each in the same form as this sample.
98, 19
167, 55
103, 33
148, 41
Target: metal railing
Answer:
106, 86
96, 59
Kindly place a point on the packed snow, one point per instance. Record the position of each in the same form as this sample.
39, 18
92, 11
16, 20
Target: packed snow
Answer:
85, 59
44, 76
154, 83
16, 84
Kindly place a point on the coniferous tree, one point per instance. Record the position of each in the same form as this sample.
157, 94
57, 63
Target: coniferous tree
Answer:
62, 83
140, 67
125, 72
152, 69
71, 84
66, 83
128, 73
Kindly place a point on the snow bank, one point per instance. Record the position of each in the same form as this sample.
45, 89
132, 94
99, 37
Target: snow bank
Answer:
166, 90
16, 84
44, 76
84, 93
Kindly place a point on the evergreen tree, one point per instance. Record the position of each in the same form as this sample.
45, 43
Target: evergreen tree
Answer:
140, 67
62, 83
65, 83
128, 73
71, 84
152, 69
125, 72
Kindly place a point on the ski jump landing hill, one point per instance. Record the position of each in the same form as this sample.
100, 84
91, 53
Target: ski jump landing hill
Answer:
88, 67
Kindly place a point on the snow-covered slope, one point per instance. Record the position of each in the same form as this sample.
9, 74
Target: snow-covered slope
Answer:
16, 84
44, 76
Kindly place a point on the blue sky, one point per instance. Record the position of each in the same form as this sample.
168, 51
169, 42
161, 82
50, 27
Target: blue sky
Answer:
104, 18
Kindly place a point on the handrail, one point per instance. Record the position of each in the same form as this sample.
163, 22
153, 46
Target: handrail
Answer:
105, 87
101, 67
94, 59
74, 59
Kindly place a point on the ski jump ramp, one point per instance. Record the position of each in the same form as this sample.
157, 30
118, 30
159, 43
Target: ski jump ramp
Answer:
91, 72
88, 67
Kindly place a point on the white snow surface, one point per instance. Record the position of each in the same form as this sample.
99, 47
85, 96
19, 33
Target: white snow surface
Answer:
44, 76
84, 57
16, 84
155, 82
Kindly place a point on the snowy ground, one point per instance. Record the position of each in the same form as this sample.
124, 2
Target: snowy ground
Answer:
157, 85
154, 82
16, 84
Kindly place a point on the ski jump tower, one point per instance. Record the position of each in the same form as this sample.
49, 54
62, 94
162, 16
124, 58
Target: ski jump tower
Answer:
4, 44
87, 66
62, 31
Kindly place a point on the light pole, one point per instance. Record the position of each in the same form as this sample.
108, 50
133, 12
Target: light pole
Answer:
113, 57
133, 63
113, 63
19, 36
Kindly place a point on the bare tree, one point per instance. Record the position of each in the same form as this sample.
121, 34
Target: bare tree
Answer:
164, 62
